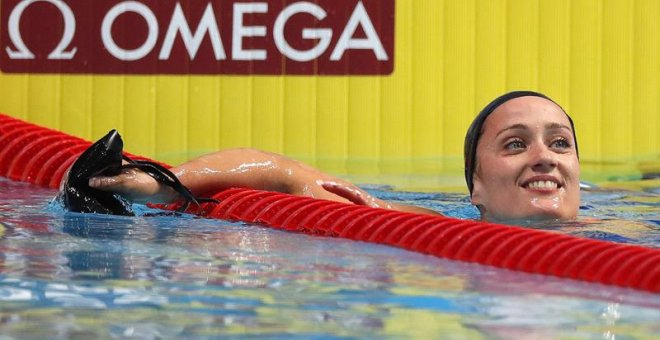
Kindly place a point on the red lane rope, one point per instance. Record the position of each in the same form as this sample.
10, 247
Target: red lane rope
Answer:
39, 156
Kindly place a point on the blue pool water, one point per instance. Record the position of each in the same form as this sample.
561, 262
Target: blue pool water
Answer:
67, 275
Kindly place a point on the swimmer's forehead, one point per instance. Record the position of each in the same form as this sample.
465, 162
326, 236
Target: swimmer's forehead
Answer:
523, 112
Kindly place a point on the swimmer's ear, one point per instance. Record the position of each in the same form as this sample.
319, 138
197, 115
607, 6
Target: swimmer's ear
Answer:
482, 210
477, 198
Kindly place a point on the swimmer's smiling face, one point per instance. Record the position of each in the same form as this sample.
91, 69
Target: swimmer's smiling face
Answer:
527, 166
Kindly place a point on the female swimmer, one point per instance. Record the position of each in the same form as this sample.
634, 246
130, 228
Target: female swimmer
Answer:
521, 163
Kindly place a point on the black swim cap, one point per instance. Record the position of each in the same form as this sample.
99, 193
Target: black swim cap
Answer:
474, 131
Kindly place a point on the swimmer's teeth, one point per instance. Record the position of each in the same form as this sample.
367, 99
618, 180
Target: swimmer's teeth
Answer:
542, 185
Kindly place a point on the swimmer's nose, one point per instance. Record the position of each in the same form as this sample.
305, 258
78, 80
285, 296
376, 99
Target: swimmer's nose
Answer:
543, 159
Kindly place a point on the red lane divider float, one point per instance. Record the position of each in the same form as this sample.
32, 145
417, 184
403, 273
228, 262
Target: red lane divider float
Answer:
40, 156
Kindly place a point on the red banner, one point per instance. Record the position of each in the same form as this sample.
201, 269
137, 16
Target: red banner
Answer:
324, 37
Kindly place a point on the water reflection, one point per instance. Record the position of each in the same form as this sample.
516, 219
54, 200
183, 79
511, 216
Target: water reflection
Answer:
100, 276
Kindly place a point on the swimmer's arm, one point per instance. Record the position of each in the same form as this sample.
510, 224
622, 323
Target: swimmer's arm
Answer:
209, 173
248, 168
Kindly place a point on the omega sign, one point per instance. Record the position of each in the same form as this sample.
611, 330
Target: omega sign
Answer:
330, 37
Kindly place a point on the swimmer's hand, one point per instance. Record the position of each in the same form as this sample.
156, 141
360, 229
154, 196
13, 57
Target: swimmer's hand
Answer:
354, 194
136, 186
361, 197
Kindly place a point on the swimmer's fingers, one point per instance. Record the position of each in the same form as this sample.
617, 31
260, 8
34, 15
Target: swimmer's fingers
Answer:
104, 183
359, 196
134, 185
354, 194
118, 183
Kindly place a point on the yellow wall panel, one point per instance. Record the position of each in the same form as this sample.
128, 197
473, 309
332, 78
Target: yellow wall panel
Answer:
299, 130
43, 98
395, 102
553, 49
364, 119
268, 113
490, 61
139, 115
522, 44
459, 76
332, 123
585, 75
235, 114
616, 133
76, 104
646, 77
600, 59
170, 121
203, 126
426, 84
14, 89
106, 110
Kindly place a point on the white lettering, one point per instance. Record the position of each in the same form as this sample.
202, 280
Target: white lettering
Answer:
371, 42
323, 34
59, 52
240, 31
250, 31
207, 24
111, 16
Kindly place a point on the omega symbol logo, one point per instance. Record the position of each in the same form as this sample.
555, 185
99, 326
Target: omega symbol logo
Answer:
22, 51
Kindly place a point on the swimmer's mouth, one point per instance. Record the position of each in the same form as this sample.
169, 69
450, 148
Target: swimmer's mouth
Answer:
545, 184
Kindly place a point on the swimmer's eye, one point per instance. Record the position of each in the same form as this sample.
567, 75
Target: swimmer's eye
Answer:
560, 143
514, 145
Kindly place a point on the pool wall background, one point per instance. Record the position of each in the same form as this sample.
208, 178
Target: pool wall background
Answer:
599, 59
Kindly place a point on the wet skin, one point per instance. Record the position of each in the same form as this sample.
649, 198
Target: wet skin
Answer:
527, 165
248, 168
